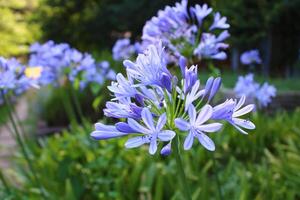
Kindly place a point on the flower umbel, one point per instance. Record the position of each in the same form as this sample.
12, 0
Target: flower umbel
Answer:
158, 106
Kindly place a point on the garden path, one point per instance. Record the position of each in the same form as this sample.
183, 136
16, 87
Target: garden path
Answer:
7, 142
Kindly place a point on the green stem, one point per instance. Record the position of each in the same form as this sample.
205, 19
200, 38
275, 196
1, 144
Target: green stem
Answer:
217, 178
77, 104
18, 120
19, 140
67, 105
180, 170
4, 182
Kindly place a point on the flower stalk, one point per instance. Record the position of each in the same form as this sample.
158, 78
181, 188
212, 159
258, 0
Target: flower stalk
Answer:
182, 176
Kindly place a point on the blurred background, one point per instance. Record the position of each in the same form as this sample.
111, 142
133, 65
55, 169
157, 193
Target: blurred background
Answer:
263, 165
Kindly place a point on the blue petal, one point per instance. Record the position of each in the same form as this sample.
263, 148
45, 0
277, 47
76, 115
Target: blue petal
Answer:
192, 113
104, 132
166, 81
208, 85
153, 146
206, 142
137, 127
210, 127
188, 142
147, 118
215, 87
161, 122
204, 115
182, 124
135, 142
182, 64
124, 127
166, 135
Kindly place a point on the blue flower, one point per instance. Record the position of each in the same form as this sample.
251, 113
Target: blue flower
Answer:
119, 110
231, 110
250, 57
151, 98
201, 12
194, 94
150, 68
197, 128
123, 49
190, 78
123, 87
104, 132
211, 46
265, 93
166, 150
184, 34
151, 133
246, 86
58, 60
262, 94
13, 77
219, 22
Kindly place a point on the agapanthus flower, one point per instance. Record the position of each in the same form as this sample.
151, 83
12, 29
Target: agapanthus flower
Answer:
14, 76
155, 107
197, 128
122, 49
51, 57
231, 110
265, 94
246, 85
183, 31
262, 94
250, 57
59, 60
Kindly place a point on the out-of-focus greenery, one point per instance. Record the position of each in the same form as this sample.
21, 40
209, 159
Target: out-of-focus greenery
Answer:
229, 80
92, 24
262, 165
253, 23
17, 31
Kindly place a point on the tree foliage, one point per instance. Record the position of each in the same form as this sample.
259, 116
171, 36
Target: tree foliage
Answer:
16, 29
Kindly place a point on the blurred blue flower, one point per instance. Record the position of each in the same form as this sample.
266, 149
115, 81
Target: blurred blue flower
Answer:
57, 60
246, 86
219, 22
200, 12
250, 57
13, 76
123, 49
211, 46
265, 94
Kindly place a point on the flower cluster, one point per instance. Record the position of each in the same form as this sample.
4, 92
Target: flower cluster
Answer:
250, 57
158, 106
57, 60
122, 49
247, 86
184, 31
15, 77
